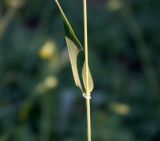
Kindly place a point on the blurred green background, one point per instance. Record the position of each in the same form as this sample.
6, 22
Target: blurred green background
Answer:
38, 98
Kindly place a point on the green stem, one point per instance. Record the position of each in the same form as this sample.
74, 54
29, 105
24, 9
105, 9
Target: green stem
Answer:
86, 66
88, 119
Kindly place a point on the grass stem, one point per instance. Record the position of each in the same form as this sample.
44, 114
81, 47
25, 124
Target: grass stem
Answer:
88, 119
86, 66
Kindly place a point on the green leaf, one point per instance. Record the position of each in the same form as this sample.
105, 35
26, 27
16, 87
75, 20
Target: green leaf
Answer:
74, 46
90, 80
73, 54
68, 29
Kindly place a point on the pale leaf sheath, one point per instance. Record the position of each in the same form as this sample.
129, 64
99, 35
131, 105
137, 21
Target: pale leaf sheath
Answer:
90, 80
73, 54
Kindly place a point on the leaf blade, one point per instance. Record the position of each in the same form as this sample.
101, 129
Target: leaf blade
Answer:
68, 28
73, 44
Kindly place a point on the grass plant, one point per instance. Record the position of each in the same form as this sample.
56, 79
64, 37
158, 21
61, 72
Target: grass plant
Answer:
74, 48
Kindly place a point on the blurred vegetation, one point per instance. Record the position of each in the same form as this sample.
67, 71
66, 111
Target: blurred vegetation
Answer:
38, 99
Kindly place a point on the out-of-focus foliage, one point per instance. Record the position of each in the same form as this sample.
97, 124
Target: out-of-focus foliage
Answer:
38, 99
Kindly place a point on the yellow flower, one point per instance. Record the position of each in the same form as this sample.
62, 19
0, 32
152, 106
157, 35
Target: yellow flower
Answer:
15, 3
47, 50
120, 108
48, 83
114, 5
51, 82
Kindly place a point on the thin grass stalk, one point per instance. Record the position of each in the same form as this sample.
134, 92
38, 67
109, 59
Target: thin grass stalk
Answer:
88, 120
86, 64
74, 47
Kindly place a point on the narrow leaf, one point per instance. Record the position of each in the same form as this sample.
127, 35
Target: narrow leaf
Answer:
73, 44
73, 54
90, 80
68, 29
